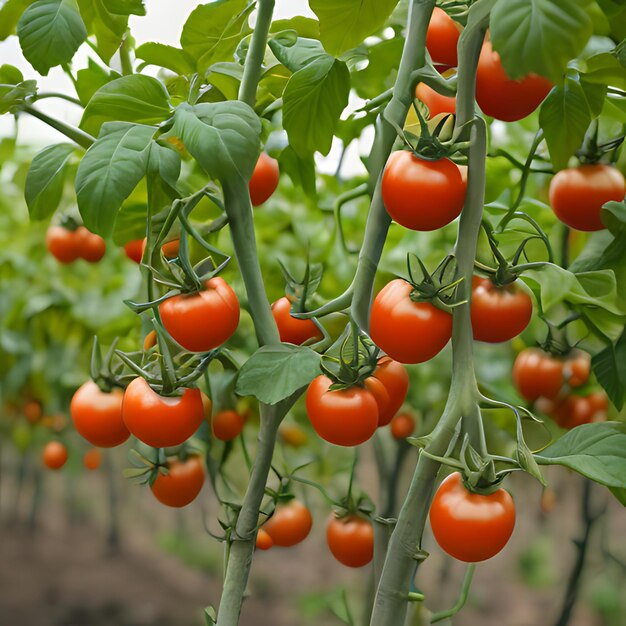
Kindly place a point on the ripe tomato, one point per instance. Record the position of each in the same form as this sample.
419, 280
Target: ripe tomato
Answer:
134, 250
263, 540
97, 415
578, 193
351, 540
498, 314
92, 246
402, 426
290, 524
207, 406
92, 459
435, 102
227, 425
170, 249
63, 244
468, 526
158, 421
291, 329
345, 417
394, 377
577, 368
537, 374
422, 195
264, 179
409, 332
54, 455
182, 484
572, 410
502, 98
442, 38
203, 320
149, 341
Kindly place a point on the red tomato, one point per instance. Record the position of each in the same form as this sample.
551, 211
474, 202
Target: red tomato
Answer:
97, 415
264, 179
468, 526
92, 459
396, 380
263, 540
422, 195
63, 244
537, 374
578, 193
203, 320
577, 368
158, 421
54, 455
170, 249
351, 540
442, 38
290, 524
402, 426
502, 98
435, 102
150, 341
380, 393
32, 411
227, 425
345, 417
134, 250
92, 246
409, 332
182, 484
498, 314
293, 330
571, 410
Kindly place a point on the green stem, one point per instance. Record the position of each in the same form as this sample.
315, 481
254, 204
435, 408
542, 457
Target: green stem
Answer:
62, 96
467, 583
75, 134
125, 60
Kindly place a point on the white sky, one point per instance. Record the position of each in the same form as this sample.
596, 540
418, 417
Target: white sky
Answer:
163, 23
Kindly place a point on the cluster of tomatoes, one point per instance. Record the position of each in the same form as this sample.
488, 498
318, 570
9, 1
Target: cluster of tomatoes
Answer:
68, 245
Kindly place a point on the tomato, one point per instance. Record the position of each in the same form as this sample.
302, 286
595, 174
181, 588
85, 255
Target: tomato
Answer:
422, 195
537, 374
203, 320
149, 341
442, 38
402, 426
227, 425
264, 179
502, 98
572, 410
97, 415
290, 524
92, 459
345, 417
351, 540
207, 406
469, 526
134, 250
32, 411
291, 329
158, 421
394, 377
379, 391
409, 332
435, 102
169, 249
263, 540
182, 484
63, 244
92, 246
498, 313
292, 435
54, 455
577, 368
578, 193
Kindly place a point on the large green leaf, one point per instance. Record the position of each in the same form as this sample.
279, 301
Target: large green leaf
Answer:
10, 13
109, 28
45, 179
539, 36
304, 26
109, 172
301, 171
125, 7
609, 366
604, 69
135, 98
50, 32
169, 57
344, 24
313, 101
90, 79
382, 69
289, 368
213, 31
297, 53
597, 451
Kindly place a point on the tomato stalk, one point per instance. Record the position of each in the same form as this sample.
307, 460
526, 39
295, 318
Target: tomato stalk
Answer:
75, 134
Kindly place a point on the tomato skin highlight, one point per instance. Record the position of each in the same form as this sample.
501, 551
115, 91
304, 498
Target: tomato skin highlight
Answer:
395, 378
227, 425
402, 426
63, 244
422, 195
435, 102
158, 421
468, 526
351, 540
291, 329
578, 193
134, 250
92, 459
409, 332
290, 524
263, 540
536, 374
54, 455
264, 179
345, 417
181, 485
204, 320
498, 314
502, 98
442, 38
97, 415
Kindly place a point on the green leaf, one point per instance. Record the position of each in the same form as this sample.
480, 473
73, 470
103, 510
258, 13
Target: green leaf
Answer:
13, 96
10, 75
318, 92
288, 367
130, 223
45, 180
539, 36
109, 172
609, 366
136, 98
213, 31
597, 451
10, 13
90, 79
382, 69
304, 26
169, 57
109, 29
297, 54
125, 7
344, 24
50, 33
226, 77
603, 69
301, 170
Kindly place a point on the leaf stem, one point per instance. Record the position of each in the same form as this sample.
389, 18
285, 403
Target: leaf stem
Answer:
62, 96
73, 133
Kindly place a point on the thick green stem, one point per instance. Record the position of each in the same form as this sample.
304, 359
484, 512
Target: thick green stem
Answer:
125, 60
75, 134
